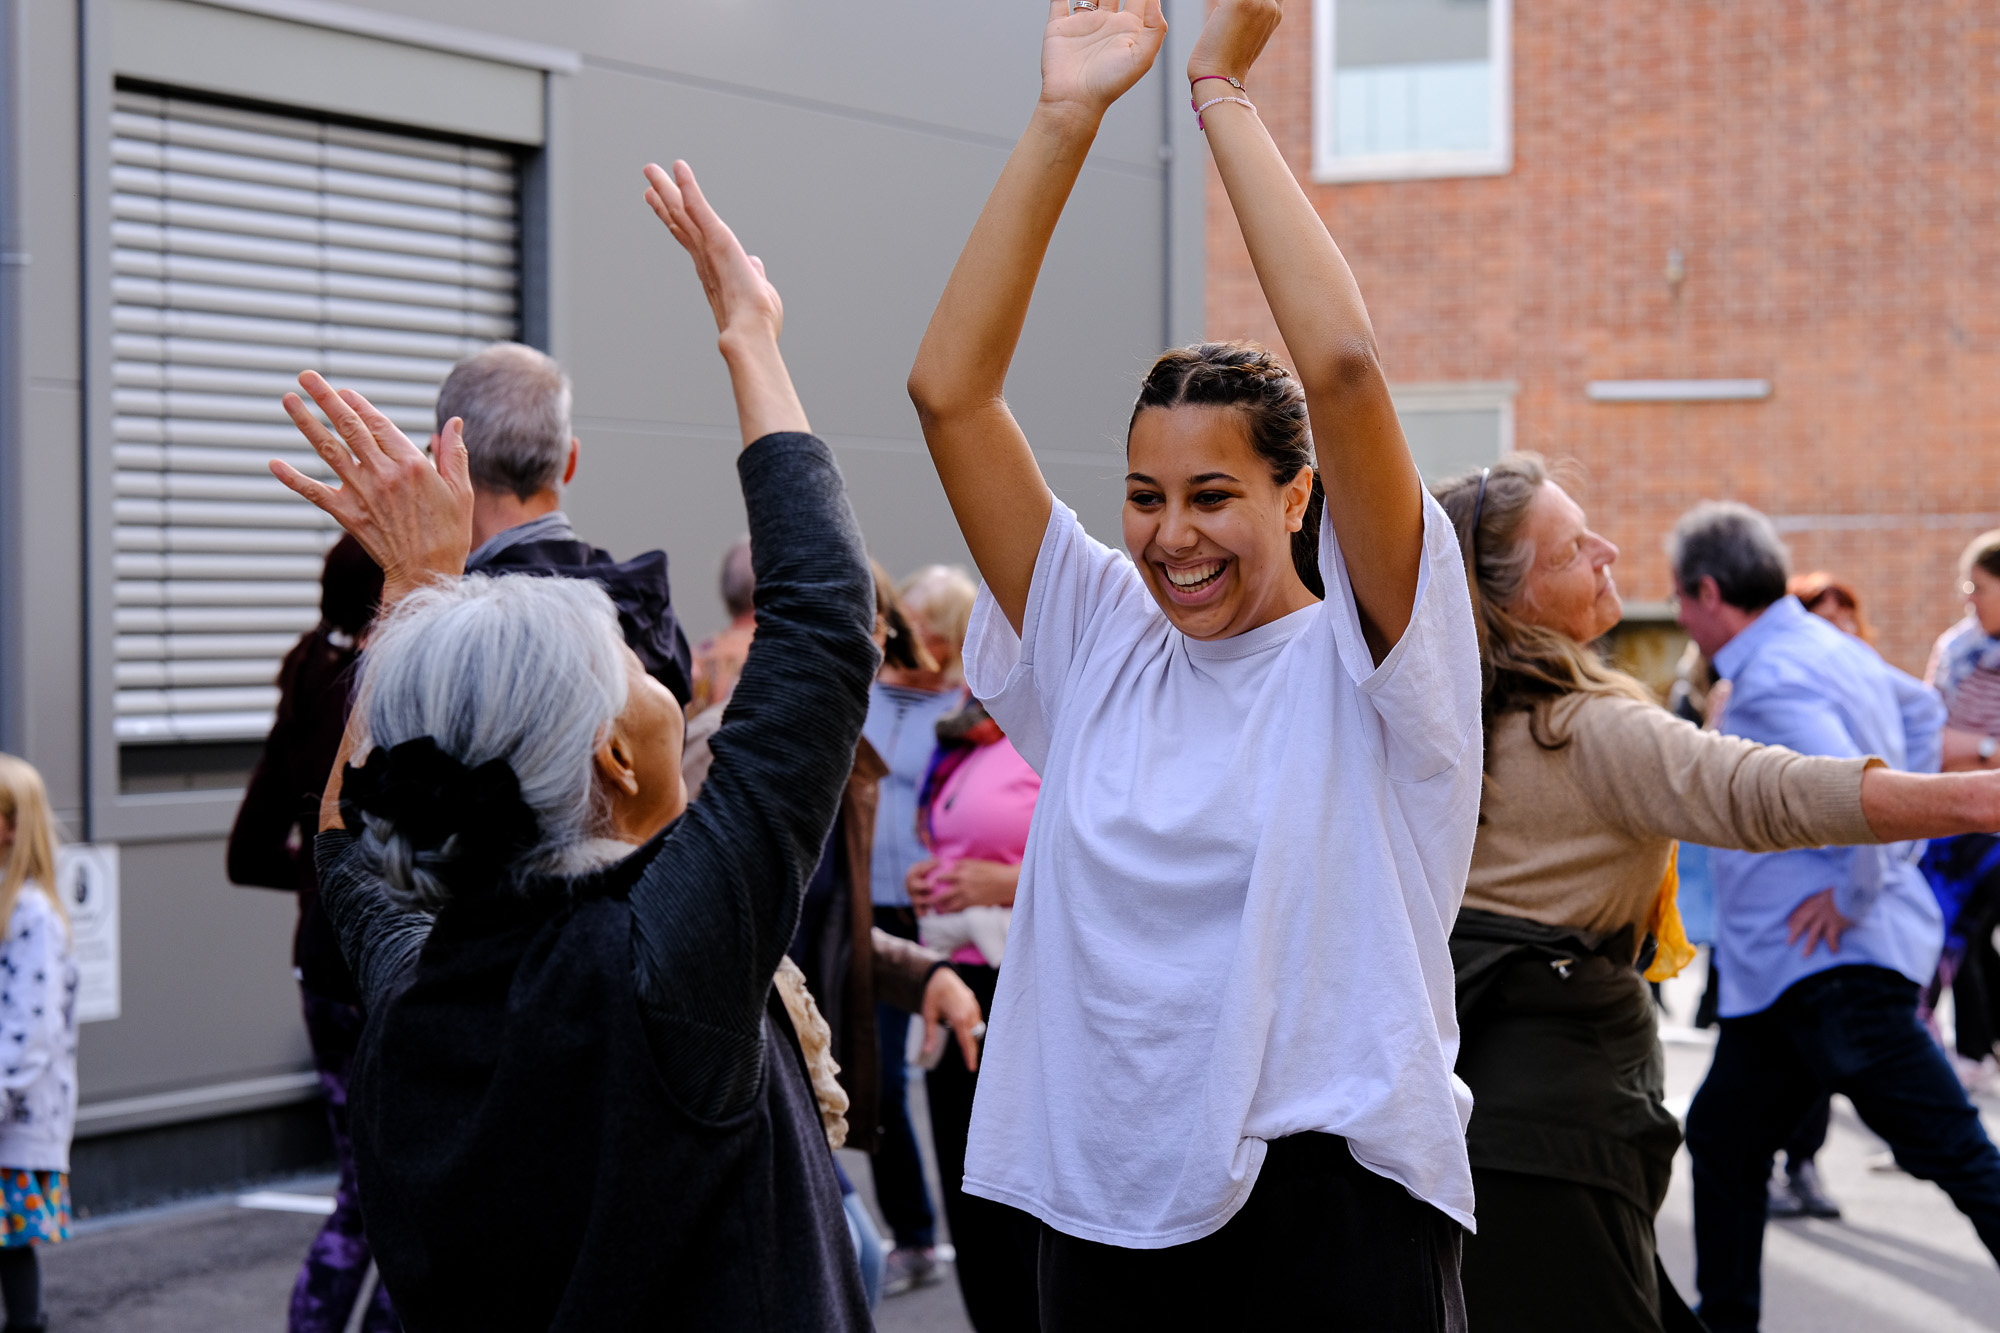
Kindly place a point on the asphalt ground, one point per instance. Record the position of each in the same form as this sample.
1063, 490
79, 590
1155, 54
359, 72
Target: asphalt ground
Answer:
1902, 1260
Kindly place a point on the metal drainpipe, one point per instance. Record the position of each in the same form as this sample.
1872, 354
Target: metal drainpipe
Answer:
13, 260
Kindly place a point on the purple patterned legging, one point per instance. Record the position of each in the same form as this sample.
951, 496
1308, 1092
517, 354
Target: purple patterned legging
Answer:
336, 1265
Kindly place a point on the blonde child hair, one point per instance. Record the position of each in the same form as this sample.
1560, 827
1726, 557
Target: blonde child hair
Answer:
24, 804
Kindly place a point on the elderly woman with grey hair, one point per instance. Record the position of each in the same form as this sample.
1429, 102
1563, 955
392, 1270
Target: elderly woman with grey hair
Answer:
578, 1102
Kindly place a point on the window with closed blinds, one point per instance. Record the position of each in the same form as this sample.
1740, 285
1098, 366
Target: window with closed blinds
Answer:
247, 247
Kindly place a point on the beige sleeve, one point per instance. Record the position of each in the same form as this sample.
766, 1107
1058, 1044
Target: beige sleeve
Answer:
1650, 774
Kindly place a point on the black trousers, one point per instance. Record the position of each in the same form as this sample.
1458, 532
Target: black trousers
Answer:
1322, 1243
1975, 988
1554, 1256
1809, 1136
1804, 1142
898, 1164
996, 1244
1852, 1030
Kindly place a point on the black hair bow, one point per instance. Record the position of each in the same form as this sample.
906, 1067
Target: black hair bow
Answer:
428, 797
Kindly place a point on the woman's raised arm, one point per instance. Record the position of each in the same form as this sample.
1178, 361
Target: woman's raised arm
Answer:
1089, 59
1374, 497
748, 314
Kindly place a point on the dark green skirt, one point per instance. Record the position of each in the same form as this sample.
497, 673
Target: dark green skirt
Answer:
1571, 1142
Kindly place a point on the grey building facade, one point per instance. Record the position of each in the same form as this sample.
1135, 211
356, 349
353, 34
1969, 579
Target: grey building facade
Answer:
200, 197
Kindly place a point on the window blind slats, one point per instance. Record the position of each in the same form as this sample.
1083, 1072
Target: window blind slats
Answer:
313, 203
146, 210
495, 272
177, 356
162, 648
494, 199
227, 540
451, 164
248, 246
226, 383
289, 334
293, 277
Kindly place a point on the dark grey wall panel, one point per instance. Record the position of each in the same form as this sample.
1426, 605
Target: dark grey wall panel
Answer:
208, 990
45, 516
969, 69
50, 542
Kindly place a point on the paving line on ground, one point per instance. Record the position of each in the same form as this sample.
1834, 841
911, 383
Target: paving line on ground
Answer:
277, 1201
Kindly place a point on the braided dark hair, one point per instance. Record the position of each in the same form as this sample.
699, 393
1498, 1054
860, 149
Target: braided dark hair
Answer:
1247, 377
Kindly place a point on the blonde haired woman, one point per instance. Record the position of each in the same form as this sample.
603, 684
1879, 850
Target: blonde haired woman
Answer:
1589, 783
38, 1036
939, 599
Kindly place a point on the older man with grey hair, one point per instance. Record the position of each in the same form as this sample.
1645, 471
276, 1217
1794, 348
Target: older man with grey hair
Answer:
515, 402
1822, 950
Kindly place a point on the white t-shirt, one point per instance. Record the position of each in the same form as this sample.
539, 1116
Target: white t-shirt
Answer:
1234, 907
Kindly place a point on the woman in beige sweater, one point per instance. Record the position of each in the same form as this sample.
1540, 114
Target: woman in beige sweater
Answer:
1570, 899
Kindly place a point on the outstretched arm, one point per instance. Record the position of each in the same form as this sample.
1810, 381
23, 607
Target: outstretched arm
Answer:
1374, 497
1906, 807
996, 490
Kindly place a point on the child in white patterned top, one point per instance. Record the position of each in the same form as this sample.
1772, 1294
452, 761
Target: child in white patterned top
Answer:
38, 980
1965, 663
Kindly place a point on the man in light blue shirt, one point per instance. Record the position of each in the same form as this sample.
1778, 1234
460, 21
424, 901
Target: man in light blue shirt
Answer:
1822, 951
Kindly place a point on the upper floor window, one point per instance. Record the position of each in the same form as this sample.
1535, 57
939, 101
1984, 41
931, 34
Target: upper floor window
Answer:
1455, 426
1408, 88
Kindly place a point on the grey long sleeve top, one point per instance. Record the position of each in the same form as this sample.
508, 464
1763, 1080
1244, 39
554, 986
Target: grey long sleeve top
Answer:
719, 896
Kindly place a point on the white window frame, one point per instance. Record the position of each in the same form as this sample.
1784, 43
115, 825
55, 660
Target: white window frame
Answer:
1330, 167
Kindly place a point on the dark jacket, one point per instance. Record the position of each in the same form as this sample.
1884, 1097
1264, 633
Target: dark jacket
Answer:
1560, 1046
850, 965
638, 588
601, 1059
270, 845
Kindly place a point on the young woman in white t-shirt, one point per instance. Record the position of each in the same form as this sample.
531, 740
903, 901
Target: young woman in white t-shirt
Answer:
1219, 1069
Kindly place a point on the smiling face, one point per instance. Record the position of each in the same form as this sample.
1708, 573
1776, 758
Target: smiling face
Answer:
1569, 587
1208, 528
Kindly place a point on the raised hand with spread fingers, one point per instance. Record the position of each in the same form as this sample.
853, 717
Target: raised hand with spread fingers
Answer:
412, 515
748, 314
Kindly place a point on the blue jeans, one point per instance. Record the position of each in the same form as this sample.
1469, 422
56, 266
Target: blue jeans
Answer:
868, 1251
1852, 1030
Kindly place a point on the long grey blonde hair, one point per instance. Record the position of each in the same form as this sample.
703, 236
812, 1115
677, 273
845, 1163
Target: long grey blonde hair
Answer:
525, 669
1527, 667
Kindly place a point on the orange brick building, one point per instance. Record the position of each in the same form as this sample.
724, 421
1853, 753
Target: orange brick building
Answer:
1801, 193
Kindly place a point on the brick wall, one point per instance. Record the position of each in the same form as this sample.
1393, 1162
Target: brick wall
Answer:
1831, 173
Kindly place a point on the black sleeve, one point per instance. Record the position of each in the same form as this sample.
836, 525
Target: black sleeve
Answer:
716, 908
260, 854
260, 851
675, 660
379, 938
